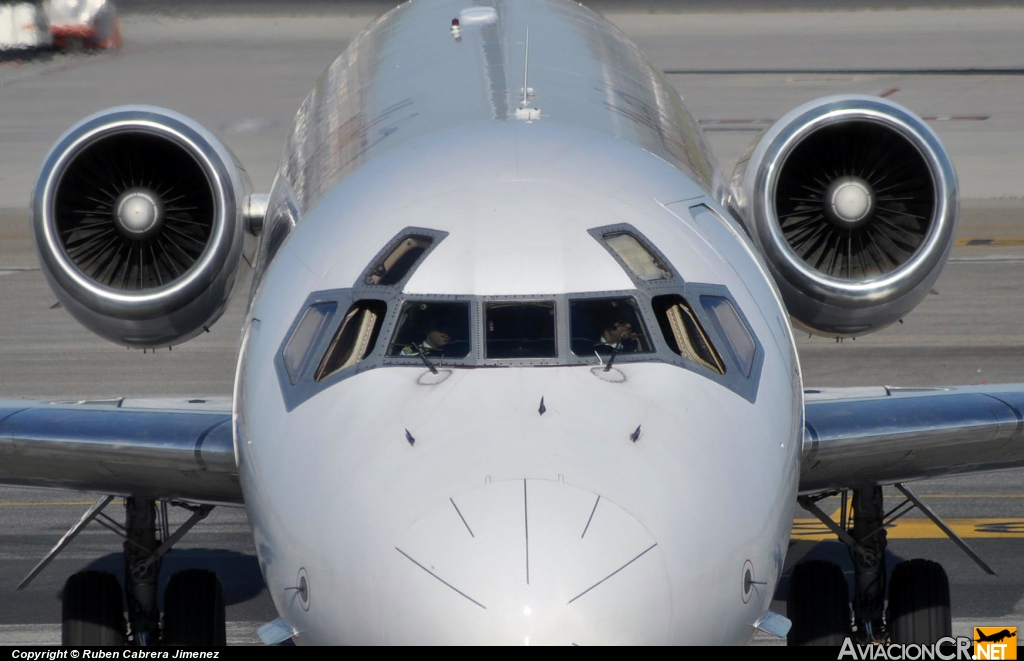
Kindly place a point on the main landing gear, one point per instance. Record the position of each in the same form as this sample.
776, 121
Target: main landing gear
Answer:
95, 609
818, 601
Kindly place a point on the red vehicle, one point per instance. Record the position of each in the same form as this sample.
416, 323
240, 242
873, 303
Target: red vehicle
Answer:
83, 23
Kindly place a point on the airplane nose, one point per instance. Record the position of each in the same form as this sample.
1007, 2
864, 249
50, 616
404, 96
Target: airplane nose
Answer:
527, 562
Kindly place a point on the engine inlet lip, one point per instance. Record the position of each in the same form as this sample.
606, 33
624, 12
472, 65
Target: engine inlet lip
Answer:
800, 124
169, 126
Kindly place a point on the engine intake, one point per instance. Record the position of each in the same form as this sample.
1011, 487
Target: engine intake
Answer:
137, 219
853, 201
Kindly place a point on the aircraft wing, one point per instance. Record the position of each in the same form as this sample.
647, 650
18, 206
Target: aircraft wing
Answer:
161, 449
863, 436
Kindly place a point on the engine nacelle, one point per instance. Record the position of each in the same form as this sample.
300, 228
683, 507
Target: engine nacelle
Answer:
137, 217
854, 204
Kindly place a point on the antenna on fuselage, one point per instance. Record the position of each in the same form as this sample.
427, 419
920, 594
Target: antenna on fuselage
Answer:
526, 73
524, 111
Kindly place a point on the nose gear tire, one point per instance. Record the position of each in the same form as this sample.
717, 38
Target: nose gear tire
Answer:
194, 610
92, 610
919, 603
818, 604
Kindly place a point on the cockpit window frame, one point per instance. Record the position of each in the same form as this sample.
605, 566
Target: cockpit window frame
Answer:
638, 308
393, 318
734, 378
306, 385
560, 330
436, 236
673, 282
394, 298
308, 350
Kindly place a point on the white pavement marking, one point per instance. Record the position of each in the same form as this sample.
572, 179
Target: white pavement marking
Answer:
990, 259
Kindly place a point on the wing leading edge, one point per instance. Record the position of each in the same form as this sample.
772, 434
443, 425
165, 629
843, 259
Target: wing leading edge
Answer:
184, 451
159, 449
858, 437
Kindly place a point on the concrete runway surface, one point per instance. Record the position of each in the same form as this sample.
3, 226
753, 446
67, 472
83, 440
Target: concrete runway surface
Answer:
244, 76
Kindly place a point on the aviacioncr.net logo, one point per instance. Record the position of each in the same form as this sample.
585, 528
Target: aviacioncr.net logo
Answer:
995, 643
944, 649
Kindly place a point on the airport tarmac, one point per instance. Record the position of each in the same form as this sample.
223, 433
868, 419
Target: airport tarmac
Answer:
244, 76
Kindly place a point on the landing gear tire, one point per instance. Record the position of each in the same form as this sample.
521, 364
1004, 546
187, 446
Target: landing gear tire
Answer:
92, 610
919, 603
818, 604
194, 610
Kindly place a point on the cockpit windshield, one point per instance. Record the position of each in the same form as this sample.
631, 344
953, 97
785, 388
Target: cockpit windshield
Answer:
660, 319
436, 329
521, 329
606, 325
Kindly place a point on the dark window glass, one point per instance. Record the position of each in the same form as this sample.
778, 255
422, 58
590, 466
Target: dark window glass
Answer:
740, 341
396, 264
438, 329
602, 324
684, 333
355, 338
303, 339
520, 330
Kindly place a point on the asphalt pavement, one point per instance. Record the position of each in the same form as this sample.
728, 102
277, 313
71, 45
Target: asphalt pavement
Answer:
243, 76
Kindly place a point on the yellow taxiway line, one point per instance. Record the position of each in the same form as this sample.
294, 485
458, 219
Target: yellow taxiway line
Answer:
989, 528
922, 528
50, 503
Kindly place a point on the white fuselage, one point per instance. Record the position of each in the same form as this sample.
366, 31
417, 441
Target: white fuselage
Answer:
511, 503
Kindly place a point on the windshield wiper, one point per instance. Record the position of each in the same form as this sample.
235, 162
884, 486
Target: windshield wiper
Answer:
615, 352
423, 357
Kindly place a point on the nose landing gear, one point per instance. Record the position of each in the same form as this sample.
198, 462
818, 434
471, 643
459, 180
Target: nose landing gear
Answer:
94, 605
918, 591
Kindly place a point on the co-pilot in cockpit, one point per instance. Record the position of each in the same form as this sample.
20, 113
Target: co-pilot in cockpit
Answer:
604, 326
434, 329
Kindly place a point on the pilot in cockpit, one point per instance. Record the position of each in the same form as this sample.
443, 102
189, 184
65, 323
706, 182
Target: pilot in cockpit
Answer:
433, 329
605, 326
618, 334
434, 336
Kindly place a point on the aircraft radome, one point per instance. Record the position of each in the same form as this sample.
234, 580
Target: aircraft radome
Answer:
518, 360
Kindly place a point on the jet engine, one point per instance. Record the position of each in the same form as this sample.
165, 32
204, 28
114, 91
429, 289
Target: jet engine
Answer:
853, 202
138, 220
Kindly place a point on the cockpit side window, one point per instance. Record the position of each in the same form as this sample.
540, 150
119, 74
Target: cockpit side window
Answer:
733, 329
300, 345
397, 262
355, 338
684, 333
606, 325
437, 329
644, 264
520, 329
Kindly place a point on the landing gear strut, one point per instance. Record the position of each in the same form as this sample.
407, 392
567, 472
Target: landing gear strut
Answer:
918, 593
868, 556
141, 569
